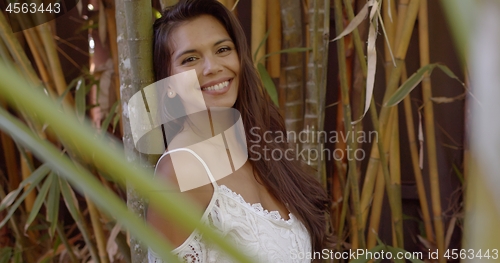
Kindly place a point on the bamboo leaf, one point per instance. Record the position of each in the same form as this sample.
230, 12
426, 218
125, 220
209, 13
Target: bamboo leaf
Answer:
355, 21
68, 88
36, 175
447, 99
71, 202
80, 99
116, 119
112, 112
268, 83
38, 201
53, 205
5, 254
450, 73
9, 199
409, 85
262, 42
18, 202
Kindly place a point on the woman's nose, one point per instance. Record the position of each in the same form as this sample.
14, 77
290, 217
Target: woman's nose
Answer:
211, 66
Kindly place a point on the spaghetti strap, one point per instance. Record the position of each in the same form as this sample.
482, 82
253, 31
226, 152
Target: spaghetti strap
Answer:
212, 179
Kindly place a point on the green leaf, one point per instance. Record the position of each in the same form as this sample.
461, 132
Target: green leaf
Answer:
53, 205
9, 199
415, 79
409, 85
80, 100
262, 42
268, 83
450, 73
5, 254
71, 202
38, 201
36, 180
112, 112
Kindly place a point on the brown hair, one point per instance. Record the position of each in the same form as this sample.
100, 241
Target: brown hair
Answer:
286, 178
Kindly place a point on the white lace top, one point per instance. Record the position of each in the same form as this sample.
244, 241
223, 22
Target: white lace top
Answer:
264, 236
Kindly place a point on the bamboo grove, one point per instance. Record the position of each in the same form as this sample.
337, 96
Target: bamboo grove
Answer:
68, 151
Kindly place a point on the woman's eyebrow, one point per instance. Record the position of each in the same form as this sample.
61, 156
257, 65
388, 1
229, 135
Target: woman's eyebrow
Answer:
222, 41
185, 52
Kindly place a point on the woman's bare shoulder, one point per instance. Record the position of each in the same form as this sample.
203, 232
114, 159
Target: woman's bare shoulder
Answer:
167, 174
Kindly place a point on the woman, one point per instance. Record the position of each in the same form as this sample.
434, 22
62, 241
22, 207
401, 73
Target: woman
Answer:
203, 35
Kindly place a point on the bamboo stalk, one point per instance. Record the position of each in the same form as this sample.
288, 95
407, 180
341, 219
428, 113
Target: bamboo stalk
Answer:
292, 69
98, 231
348, 120
258, 28
274, 40
390, 30
26, 172
135, 43
402, 37
422, 196
378, 194
17, 51
395, 170
30, 36
316, 83
430, 130
109, 7
375, 215
375, 157
47, 38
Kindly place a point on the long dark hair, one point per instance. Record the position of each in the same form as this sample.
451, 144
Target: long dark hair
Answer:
285, 178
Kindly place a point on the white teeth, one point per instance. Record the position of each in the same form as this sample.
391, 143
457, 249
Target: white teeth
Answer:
218, 86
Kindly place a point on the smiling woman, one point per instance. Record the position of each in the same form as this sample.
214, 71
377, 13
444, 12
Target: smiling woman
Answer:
270, 209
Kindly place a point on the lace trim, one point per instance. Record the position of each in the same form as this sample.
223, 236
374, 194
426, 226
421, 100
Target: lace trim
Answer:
257, 207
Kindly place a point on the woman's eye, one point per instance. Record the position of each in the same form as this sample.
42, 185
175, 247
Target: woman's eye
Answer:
223, 49
189, 59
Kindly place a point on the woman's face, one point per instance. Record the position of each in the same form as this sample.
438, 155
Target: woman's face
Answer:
204, 45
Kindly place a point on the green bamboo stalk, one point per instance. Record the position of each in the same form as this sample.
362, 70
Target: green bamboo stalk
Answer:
98, 231
17, 51
353, 177
378, 194
430, 137
403, 38
422, 196
47, 38
375, 158
395, 170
